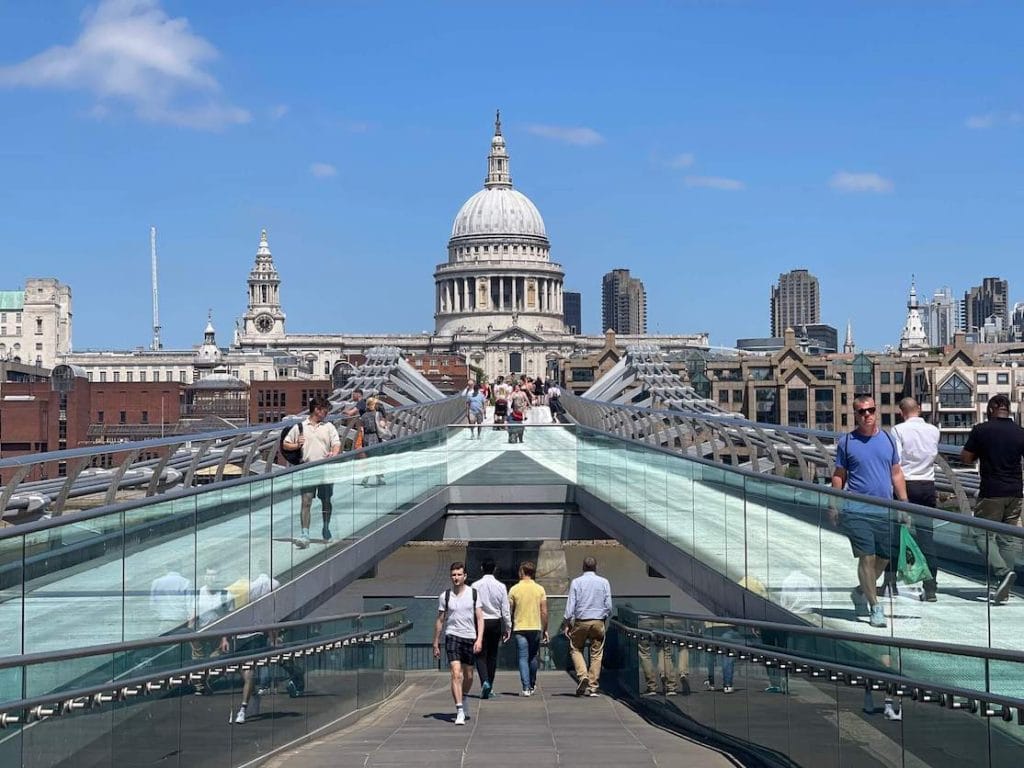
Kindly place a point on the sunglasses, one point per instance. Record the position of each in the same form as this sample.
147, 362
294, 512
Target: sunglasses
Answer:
864, 411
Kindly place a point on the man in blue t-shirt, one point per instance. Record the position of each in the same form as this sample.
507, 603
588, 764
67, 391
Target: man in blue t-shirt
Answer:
867, 463
476, 404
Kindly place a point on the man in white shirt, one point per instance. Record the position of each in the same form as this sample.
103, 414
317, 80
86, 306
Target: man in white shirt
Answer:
917, 443
317, 438
492, 596
460, 618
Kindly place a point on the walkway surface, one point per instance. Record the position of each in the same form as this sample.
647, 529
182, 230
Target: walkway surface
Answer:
551, 728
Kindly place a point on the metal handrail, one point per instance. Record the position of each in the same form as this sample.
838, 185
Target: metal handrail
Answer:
898, 684
932, 646
30, 709
46, 657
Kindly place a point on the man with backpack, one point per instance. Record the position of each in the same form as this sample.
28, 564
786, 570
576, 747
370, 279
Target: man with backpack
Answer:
317, 439
868, 463
461, 619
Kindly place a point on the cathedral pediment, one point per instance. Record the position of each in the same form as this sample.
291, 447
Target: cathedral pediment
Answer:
515, 335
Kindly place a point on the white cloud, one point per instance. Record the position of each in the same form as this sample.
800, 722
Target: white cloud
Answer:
323, 170
714, 182
684, 160
993, 119
131, 52
843, 181
979, 122
580, 137
278, 111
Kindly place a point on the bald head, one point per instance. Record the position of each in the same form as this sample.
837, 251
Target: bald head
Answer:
909, 407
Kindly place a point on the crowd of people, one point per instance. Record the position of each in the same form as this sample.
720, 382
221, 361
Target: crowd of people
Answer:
514, 402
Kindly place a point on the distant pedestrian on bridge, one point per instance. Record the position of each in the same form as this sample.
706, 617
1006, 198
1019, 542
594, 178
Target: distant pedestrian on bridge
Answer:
461, 621
493, 598
586, 610
867, 463
917, 443
317, 439
476, 406
998, 445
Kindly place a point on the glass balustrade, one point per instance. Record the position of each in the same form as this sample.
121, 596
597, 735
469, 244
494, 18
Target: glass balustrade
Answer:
290, 696
800, 711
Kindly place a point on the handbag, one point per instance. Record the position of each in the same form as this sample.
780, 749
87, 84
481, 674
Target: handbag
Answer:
383, 430
911, 566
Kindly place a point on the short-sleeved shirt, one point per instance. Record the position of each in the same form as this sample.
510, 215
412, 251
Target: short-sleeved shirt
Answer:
525, 599
461, 618
999, 446
321, 438
476, 402
868, 462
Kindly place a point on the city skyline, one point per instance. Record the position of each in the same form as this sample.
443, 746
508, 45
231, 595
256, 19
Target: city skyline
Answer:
239, 130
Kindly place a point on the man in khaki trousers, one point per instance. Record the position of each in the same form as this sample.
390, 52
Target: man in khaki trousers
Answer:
586, 612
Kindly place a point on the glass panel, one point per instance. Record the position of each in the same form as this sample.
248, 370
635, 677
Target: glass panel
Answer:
74, 573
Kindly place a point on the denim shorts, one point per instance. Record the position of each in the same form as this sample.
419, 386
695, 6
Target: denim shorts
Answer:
868, 535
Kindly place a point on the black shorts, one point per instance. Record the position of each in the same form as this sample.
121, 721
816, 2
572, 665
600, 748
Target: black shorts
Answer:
868, 535
324, 492
459, 649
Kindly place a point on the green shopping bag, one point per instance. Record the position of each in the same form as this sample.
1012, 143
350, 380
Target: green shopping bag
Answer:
911, 566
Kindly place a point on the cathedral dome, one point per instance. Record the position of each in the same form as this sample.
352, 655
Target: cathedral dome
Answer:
498, 210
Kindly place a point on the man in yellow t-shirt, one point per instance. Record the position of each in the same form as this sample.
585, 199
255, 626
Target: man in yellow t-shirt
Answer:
529, 604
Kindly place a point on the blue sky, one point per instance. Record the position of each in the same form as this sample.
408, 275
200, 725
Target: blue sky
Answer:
707, 146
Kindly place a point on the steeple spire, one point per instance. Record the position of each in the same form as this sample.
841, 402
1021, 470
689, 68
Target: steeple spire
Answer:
497, 161
848, 347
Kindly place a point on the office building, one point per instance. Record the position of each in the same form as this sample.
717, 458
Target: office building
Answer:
623, 303
985, 301
796, 301
573, 312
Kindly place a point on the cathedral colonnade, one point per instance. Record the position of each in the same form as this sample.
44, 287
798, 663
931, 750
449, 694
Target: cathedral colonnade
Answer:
504, 293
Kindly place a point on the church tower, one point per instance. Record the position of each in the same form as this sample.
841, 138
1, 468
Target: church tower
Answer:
264, 318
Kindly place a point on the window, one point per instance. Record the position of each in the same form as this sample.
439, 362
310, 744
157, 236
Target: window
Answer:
886, 419
145, 417
723, 396
103, 375
100, 416
3, 330
117, 375
885, 377
897, 378
955, 392
39, 326
982, 378
737, 396
122, 417
1002, 378
142, 375
39, 346
181, 376
130, 376
886, 399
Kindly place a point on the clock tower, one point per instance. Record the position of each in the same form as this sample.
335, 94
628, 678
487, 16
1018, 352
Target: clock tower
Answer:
263, 319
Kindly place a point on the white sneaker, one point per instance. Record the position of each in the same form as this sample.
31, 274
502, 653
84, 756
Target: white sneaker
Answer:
460, 717
526, 692
728, 689
240, 717
892, 714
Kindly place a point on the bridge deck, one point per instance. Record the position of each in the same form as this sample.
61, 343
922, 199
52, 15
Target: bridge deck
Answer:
551, 728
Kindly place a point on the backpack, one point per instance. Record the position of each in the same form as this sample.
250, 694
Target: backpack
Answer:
291, 456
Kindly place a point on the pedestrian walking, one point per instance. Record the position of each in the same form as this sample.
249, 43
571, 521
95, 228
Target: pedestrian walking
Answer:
586, 610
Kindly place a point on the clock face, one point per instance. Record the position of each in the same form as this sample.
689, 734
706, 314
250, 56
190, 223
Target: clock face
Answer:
264, 323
